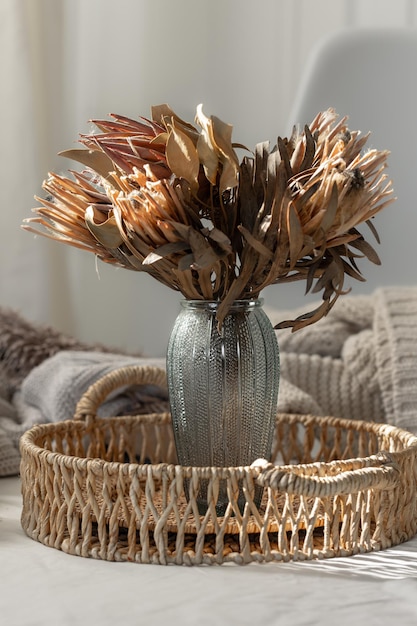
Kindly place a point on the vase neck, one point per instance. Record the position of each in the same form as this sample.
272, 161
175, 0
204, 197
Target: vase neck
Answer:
213, 305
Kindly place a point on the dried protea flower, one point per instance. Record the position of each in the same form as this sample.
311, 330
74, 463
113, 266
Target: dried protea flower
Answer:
166, 197
309, 194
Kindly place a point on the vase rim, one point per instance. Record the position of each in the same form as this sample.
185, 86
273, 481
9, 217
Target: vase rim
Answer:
213, 305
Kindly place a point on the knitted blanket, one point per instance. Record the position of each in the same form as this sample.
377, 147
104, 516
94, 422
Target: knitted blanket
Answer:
52, 389
359, 362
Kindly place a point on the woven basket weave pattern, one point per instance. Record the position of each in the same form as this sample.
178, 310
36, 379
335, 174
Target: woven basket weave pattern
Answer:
110, 488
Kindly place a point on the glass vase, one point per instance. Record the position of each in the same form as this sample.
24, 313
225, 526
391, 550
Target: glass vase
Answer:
223, 389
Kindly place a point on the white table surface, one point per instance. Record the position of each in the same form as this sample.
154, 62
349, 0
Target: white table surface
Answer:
43, 586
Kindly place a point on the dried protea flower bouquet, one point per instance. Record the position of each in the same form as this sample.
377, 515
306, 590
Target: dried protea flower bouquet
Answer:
173, 199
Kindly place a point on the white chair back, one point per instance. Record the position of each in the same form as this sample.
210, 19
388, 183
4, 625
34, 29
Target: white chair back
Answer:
371, 76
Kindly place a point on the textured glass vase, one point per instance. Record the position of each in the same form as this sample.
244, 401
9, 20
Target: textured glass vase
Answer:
223, 389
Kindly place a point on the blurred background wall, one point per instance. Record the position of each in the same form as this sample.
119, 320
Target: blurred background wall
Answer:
63, 62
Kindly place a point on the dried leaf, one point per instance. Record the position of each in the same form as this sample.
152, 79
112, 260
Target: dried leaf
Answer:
208, 158
366, 248
182, 157
247, 196
273, 189
165, 250
186, 262
235, 290
261, 169
255, 243
282, 147
160, 139
331, 210
373, 230
204, 255
307, 318
183, 230
94, 159
311, 275
330, 274
295, 234
352, 271
220, 238
221, 137
106, 232
205, 260
342, 240
162, 111
310, 150
164, 115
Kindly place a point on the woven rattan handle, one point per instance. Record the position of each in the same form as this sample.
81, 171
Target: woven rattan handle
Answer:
376, 472
97, 393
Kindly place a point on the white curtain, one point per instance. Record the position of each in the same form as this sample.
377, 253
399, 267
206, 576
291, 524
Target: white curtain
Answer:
64, 62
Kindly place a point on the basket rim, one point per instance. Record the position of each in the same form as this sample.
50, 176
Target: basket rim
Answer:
28, 443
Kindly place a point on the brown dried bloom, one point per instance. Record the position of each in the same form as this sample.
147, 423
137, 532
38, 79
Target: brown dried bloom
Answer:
165, 197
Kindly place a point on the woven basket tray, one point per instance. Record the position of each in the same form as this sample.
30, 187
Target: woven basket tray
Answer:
110, 488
